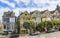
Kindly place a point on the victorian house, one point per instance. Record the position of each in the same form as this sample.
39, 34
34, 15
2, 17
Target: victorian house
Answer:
23, 17
46, 15
8, 20
56, 13
36, 16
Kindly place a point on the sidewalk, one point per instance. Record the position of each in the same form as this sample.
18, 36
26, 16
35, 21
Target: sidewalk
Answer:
4, 36
24, 35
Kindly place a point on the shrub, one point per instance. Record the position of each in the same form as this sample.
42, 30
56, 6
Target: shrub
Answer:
45, 25
29, 25
48, 24
56, 22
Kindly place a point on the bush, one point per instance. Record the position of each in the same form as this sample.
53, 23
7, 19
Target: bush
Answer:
48, 24
56, 22
40, 25
28, 24
5, 33
45, 25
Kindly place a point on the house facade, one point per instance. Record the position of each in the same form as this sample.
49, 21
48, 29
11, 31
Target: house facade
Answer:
56, 14
46, 16
36, 16
23, 17
9, 20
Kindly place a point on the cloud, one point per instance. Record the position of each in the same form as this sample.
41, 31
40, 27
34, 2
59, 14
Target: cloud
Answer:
11, 4
29, 5
25, 1
49, 4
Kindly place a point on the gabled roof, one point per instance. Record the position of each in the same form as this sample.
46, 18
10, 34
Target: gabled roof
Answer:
44, 11
52, 11
35, 11
23, 12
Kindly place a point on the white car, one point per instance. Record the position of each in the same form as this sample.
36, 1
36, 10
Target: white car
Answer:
35, 33
51, 30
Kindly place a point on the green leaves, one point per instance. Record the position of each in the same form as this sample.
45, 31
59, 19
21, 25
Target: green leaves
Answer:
29, 24
45, 24
56, 22
26, 24
40, 25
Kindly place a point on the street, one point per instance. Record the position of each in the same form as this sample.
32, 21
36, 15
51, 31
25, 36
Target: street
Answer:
46, 35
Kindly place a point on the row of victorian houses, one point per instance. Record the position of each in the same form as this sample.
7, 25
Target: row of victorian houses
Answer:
9, 19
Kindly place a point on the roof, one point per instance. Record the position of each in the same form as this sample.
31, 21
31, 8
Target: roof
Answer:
23, 12
58, 8
35, 11
52, 12
9, 14
43, 11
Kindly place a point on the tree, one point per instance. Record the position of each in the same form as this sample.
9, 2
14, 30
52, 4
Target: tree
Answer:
40, 26
45, 25
48, 24
57, 24
29, 25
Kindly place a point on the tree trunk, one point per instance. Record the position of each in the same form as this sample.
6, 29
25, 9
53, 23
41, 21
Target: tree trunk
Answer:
28, 31
45, 29
31, 30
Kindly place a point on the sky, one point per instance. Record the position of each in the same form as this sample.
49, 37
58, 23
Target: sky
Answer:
19, 6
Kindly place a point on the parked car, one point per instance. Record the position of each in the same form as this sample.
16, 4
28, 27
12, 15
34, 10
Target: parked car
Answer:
35, 33
51, 30
14, 35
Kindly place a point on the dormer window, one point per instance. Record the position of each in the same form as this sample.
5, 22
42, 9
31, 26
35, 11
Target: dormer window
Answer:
25, 14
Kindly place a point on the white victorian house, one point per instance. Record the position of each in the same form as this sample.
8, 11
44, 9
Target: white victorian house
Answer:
9, 20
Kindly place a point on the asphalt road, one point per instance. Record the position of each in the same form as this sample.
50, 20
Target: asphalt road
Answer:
46, 35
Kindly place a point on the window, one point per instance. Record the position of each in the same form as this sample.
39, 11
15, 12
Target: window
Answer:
34, 18
4, 19
8, 27
57, 17
7, 20
25, 14
4, 26
12, 19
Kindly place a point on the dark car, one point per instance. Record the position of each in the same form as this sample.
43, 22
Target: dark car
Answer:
51, 30
4, 33
35, 33
14, 35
